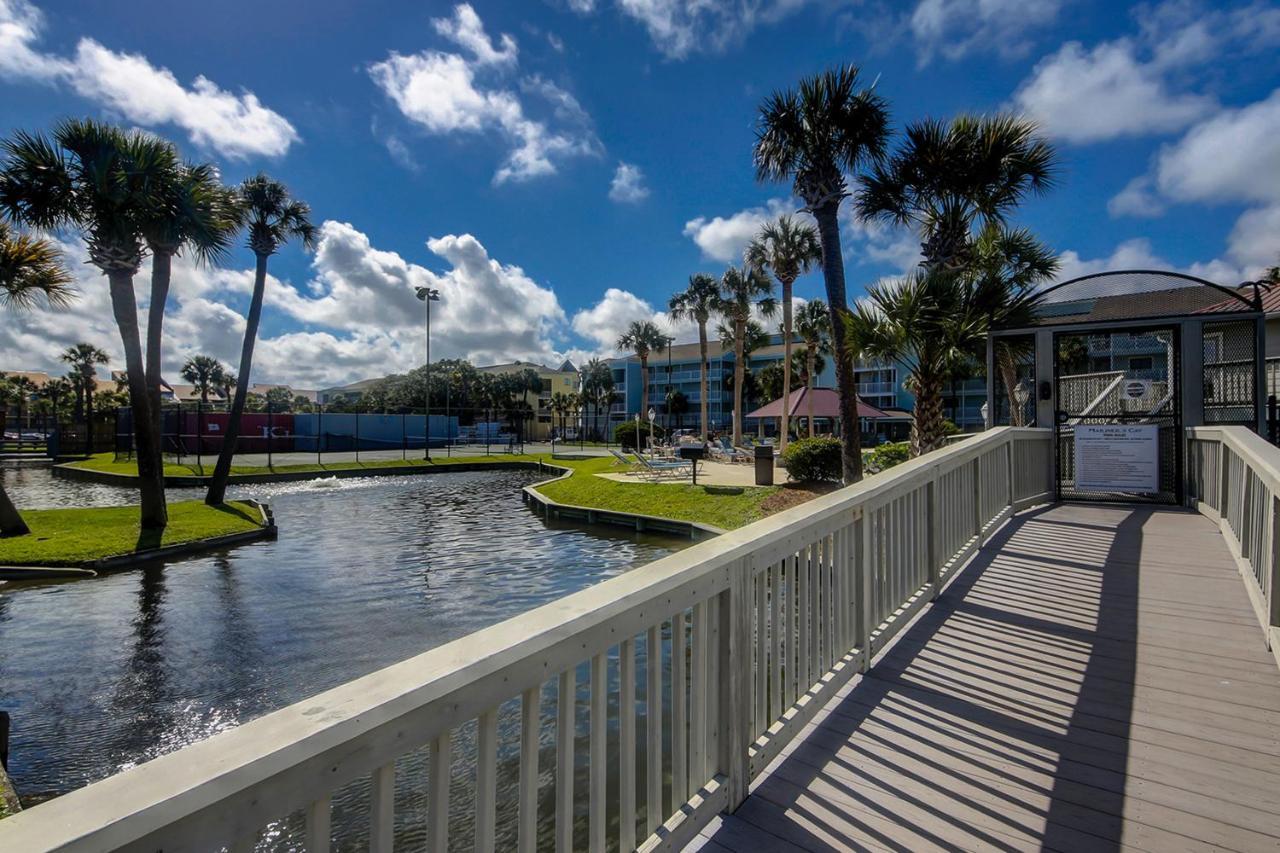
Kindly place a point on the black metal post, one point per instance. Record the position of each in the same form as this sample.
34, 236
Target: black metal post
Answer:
199, 436
4, 739
357, 417
1273, 420
319, 431
270, 430
404, 438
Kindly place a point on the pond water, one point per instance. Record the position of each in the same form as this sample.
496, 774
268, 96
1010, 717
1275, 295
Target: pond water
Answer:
102, 674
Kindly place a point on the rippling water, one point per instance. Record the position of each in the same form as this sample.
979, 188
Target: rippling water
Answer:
102, 674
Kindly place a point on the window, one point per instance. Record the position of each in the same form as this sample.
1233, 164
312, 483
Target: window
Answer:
1140, 363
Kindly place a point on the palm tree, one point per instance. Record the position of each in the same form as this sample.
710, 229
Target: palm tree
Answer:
741, 290
813, 136
273, 218
31, 270
84, 359
228, 385
938, 323
788, 249
957, 183
561, 405
104, 182
697, 302
597, 388
1007, 266
953, 180
644, 337
197, 213
205, 373
813, 323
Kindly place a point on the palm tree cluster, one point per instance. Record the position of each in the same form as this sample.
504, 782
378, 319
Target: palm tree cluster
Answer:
130, 195
956, 183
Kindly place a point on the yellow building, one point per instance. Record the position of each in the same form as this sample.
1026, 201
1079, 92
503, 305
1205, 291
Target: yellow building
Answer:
559, 380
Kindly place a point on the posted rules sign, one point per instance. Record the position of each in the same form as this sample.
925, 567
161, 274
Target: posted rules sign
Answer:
1117, 458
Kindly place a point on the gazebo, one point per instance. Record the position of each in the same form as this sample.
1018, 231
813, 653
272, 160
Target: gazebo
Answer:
825, 403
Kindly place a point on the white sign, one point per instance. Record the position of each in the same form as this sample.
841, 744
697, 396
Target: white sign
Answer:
1117, 458
1136, 389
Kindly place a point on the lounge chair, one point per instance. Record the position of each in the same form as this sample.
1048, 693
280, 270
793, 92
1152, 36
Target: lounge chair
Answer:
655, 470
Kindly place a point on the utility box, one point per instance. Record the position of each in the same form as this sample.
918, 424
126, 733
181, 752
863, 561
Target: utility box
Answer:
764, 465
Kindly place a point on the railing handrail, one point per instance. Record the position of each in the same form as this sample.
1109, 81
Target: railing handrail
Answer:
296, 755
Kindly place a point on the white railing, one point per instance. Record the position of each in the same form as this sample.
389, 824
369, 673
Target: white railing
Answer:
747, 634
1233, 476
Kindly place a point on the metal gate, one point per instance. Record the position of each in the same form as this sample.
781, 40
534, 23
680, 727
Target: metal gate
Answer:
1118, 419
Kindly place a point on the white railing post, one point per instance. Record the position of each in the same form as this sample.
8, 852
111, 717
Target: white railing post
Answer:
1009, 456
862, 586
933, 569
1273, 584
736, 605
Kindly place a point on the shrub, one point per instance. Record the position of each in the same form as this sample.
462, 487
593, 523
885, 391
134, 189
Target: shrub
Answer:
813, 460
886, 456
625, 434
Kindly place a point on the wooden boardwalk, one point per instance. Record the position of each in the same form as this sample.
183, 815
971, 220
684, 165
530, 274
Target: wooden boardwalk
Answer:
1095, 680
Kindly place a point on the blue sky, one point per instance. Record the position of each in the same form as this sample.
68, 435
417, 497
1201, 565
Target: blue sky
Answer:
559, 167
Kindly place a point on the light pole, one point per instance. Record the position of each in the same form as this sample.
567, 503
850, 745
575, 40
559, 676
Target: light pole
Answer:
652, 416
428, 295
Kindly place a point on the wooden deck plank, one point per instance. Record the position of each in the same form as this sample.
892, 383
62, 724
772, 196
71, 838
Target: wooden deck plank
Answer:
1094, 680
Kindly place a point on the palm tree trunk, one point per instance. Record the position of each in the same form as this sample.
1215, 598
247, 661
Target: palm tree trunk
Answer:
1009, 374
786, 367
161, 267
808, 383
702, 389
927, 431
11, 523
739, 342
833, 277
218, 483
154, 514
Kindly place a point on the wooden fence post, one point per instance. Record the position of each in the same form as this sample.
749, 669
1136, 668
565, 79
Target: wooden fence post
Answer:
735, 609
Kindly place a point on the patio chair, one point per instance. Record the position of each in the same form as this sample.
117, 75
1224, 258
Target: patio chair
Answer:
656, 470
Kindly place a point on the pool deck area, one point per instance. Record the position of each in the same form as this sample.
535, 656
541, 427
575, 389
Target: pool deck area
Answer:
1094, 680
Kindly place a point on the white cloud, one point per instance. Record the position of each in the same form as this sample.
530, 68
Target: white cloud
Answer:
1089, 95
1138, 198
1234, 156
1152, 82
681, 27
723, 238
627, 185
357, 317
466, 30
955, 28
129, 85
444, 93
1255, 239
1137, 254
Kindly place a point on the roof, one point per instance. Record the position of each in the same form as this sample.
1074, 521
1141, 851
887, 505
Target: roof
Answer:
507, 366
826, 404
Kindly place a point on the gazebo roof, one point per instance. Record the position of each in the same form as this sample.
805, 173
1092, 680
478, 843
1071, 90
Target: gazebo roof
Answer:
826, 404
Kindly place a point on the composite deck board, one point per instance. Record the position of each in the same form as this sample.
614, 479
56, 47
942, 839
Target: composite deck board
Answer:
1096, 679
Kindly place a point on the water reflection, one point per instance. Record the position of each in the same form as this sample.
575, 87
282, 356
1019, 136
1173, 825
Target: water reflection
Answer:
101, 674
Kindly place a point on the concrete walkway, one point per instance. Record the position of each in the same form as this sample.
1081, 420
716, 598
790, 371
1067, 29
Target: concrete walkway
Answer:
709, 474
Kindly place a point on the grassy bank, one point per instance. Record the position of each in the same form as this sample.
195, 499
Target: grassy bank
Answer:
682, 502
69, 537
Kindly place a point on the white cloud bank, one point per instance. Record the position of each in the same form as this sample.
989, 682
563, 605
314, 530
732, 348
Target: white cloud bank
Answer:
236, 126
447, 93
679, 28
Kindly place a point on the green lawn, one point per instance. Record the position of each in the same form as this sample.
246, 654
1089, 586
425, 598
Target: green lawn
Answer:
684, 502
68, 537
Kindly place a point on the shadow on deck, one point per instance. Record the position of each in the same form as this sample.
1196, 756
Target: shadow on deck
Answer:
1095, 680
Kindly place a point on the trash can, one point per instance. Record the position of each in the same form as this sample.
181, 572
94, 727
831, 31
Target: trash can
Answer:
764, 465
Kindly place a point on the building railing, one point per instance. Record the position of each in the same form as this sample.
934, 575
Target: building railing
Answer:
758, 628
865, 388
1233, 476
